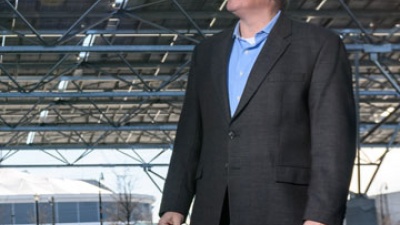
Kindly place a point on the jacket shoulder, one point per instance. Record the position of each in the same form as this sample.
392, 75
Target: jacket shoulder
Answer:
302, 30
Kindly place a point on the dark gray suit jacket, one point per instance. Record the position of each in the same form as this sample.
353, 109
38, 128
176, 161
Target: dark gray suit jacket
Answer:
287, 153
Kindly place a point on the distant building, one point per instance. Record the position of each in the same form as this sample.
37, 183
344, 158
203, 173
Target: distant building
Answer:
388, 208
382, 209
60, 201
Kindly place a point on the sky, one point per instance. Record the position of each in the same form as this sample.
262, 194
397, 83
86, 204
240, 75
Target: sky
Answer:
387, 179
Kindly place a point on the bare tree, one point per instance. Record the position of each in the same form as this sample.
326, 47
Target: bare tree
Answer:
129, 210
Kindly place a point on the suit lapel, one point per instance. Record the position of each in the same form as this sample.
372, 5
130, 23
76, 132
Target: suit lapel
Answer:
220, 70
272, 50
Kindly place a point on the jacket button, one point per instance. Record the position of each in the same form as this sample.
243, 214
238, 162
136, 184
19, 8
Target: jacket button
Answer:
231, 134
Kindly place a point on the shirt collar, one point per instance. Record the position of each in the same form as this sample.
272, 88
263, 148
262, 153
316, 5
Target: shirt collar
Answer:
267, 29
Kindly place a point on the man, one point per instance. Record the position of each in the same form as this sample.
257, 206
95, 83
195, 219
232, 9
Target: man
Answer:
267, 130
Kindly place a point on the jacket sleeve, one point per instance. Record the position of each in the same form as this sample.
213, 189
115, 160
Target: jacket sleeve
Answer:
179, 186
333, 133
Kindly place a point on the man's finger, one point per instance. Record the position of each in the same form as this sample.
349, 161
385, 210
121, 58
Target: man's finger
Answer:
165, 221
176, 220
162, 222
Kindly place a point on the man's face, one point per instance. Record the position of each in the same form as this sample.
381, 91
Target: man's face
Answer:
241, 7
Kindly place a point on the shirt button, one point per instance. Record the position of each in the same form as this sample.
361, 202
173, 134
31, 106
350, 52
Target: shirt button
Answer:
231, 135
238, 98
241, 73
246, 52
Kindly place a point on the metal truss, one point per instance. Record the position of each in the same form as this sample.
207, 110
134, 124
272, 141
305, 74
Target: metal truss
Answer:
99, 75
375, 48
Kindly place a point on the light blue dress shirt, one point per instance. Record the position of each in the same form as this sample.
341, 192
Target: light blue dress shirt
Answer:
243, 56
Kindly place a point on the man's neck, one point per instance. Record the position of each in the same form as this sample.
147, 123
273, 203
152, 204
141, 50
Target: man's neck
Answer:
250, 25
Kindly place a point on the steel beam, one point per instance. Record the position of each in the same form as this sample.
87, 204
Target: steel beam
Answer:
83, 102
161, 77
136, 94
88, 127
66, 146
368, 48
380, 93
373, 48
55, 103
94, 78
200, 15
366, 36
143, 165
392, 80
91, 94
137, 65
384, 126
188, 17
78, 21
129, 127
137, 146
338, 13
163, 33
380, 145
98, 64
96, 48
25, 21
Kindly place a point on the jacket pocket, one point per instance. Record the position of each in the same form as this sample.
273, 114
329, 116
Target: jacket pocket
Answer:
292, 175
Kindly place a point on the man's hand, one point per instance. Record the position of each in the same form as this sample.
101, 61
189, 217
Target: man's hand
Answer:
309, 222
171, 218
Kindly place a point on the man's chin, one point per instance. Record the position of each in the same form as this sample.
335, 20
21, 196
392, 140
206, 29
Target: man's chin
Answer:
233, 11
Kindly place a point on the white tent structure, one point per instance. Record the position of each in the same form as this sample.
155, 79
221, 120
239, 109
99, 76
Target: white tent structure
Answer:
13, 182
